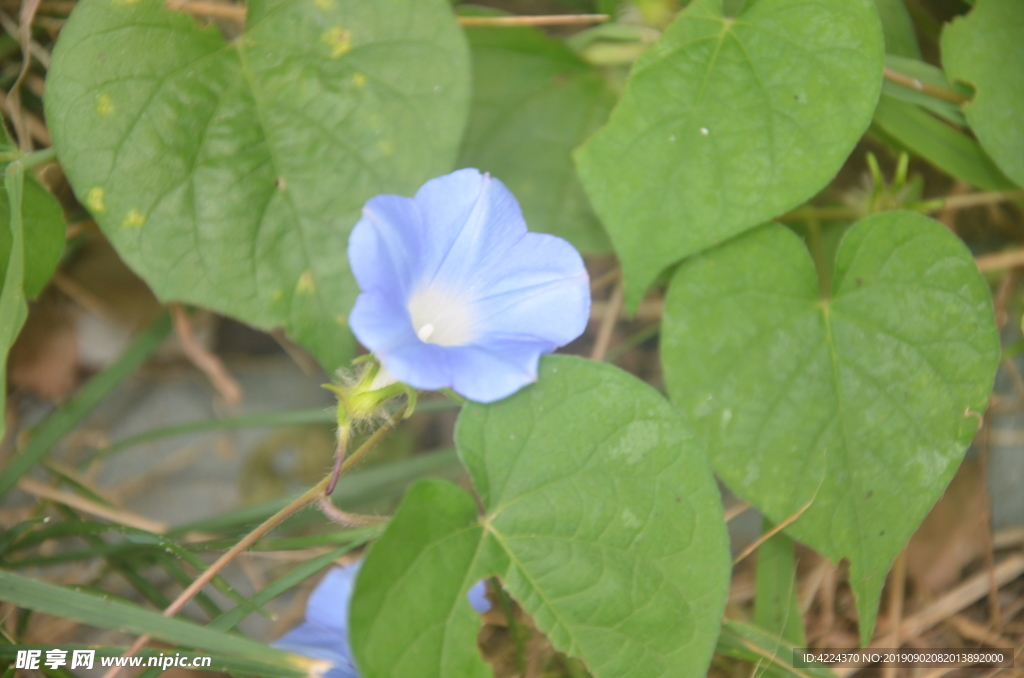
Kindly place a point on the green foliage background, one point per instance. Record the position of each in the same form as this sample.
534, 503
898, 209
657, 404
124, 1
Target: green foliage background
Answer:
838, 395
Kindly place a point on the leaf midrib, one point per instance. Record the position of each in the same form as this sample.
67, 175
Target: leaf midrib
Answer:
288, 197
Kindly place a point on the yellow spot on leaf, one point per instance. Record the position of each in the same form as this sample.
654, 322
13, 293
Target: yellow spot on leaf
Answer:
324, 4
276, 295
94, 201
306, 284
358, 79
341, 320
103, 105
386, 148
339, 40
134, 219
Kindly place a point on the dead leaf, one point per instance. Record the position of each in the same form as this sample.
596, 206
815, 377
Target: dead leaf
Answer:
44, 359
951, 536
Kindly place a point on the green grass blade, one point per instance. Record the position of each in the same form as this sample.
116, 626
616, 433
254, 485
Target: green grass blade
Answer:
126, 569
752, 644
178, 574
222, 663
286, 418
58, 531
776, 606
109, 612
10, 536
263, 419
78, 487
218, 582
232, 617
938, 143
13, 307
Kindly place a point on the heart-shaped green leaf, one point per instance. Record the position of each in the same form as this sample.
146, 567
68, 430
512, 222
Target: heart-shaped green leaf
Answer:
44, 234
42, 228
31, 242
534, 101
229, 174
857, 408
602, 519
986, 49
728, 122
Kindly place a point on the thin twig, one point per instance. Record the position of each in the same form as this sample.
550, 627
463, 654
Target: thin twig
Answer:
611, 316
79, 503
947, 215
1003, 294
897, 582
36, 50
23, 31
996, 671
967, 593
543, 20
812, 583
234, 13
299, 356
1008, 538
959, 598
81, 295
208, 363
986, 518
774, 531
772, 657
829, 585
36, 129
926, 87
976, 200
972, 630
999, 261
63, 7
649, 309
930, 207
605, 279
736, 510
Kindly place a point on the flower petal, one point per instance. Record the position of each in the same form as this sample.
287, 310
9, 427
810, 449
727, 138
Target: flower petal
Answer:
381, 322
320, 642
546, 296
478, 599
466, 240
457, 293
386, 245
322, 607
324, 634
486, 373
420, 365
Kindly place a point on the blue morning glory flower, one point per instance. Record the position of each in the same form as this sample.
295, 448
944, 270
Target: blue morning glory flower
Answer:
324, 633
456, 293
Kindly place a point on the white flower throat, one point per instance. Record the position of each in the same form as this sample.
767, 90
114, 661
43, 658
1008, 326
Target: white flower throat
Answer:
440, 317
